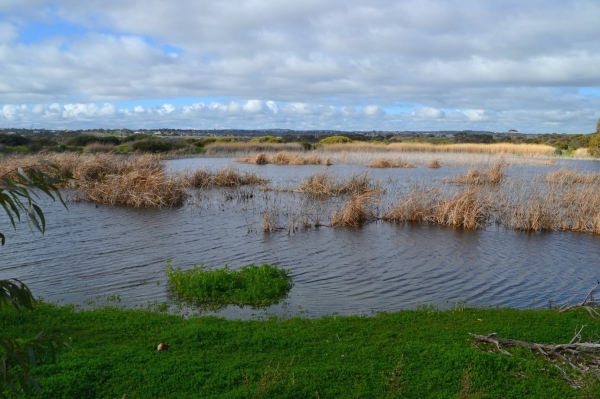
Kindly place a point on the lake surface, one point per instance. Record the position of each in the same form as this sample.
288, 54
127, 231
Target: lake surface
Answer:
90, 252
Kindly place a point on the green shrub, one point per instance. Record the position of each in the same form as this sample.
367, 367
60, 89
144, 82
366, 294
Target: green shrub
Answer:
84, 139
13, 140
135, 137
267, 139
252, 285
306, 145
335, 140
155, 146
209, 140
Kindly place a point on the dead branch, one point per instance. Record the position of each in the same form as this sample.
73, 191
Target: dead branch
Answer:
583, 357
587, 304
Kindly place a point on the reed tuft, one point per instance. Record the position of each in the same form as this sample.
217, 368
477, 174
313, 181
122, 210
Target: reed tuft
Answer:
322, 184
490, 177
356, 211
224, 177
434, 164
389, 163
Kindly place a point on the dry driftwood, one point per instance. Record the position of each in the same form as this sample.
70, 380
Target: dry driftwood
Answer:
583, 357
587, 304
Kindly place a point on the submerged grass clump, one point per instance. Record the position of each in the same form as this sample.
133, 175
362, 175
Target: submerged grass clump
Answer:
224, 177
389, 163
256, 286
323, 184
490, 177
285, 158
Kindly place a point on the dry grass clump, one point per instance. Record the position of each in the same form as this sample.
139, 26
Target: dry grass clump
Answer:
490, 177
224, 177
389, 163
228, 148
284, 158
434, 164
319, 184
356, 211
95, 147
146, 186
468, 209
322, 184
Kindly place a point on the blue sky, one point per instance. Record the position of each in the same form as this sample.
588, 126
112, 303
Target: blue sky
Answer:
348, 65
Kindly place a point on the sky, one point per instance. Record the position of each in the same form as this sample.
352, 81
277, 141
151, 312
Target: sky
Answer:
422, 65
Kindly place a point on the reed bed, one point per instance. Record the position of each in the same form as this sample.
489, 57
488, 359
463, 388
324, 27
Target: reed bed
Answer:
565, 176
285, 158
389, 163
423, 159
323, 184
356, 211
532, 150
224, 177
474, 177
236, 147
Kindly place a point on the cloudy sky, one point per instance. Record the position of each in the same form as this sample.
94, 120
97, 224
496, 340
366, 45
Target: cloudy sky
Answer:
491, 65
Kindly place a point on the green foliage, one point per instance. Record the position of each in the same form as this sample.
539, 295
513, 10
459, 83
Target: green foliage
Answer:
13, 140
594, 146
267, 139
18, 359
84, 139
252, 285
408, 354
135, 137
156, 145
335, 140
17, 356
306, 145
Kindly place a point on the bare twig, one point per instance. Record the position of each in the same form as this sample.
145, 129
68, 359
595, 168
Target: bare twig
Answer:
583, 357
587, 304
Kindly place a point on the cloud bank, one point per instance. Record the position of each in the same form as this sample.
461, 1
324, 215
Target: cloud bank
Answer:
377, 65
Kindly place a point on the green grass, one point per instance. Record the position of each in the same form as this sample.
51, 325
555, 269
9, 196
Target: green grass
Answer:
408, 354
252, 285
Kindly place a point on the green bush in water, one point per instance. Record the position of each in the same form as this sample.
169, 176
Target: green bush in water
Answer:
252, 285
335, 140
267, 139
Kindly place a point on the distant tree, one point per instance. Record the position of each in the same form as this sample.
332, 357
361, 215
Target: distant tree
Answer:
85, 139
463, 137
13, 140
594, 146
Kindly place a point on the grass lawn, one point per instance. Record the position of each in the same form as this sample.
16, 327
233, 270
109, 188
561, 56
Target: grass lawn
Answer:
407, 354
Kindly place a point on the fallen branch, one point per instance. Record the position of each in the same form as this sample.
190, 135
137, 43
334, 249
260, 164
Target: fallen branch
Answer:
587, 304
583, 357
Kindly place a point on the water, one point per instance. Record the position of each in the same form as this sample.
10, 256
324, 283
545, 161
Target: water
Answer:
93, 252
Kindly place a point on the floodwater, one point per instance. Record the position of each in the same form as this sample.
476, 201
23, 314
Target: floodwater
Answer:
93, 252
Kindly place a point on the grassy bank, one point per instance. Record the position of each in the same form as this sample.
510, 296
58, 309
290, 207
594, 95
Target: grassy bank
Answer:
410, 354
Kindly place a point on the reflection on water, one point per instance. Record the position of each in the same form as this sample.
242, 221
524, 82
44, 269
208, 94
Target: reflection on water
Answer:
90, 251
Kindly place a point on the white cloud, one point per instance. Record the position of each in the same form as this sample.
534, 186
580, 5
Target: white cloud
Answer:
309, 59
253, 106
428, 113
